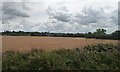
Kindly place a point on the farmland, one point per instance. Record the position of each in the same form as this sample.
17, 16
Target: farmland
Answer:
27, 43
59, 53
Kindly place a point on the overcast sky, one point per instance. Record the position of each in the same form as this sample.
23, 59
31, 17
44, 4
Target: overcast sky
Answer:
59, 15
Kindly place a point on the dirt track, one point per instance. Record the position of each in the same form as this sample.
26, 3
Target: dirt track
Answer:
26, 43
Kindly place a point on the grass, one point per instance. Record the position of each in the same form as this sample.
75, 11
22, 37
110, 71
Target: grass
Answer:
92, 57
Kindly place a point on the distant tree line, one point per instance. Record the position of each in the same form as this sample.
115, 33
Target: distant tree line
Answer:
98, 34
101, 34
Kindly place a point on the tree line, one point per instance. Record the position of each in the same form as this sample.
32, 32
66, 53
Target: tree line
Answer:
98, 34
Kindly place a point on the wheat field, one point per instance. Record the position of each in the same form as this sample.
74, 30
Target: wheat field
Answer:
27, 43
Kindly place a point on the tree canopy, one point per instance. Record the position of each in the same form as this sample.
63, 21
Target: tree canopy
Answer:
98, 34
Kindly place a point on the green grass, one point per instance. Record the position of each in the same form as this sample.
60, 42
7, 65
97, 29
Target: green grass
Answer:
92, 57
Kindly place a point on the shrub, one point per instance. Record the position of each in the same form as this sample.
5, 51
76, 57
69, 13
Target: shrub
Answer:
92, 57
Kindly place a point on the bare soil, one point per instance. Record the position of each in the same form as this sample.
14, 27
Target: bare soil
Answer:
27, 43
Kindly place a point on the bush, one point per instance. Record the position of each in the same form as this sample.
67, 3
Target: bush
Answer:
92, 57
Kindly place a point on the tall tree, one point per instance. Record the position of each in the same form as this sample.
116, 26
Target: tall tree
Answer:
100, 33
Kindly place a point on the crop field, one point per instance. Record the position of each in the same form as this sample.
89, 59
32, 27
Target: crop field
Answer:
59, 53
27, 43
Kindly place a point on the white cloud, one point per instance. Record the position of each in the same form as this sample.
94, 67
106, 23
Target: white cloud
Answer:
64, 16
60, 0
13, 10
60, 14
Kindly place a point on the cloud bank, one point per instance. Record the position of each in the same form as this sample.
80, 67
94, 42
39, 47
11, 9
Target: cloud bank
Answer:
59, 16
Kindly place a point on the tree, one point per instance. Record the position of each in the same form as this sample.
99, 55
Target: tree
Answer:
100, 33
116, 35
89, 35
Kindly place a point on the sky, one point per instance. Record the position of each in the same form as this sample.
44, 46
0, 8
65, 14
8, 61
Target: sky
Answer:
62, 16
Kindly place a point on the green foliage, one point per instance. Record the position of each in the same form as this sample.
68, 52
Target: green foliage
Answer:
101, 34
98, 34
92, 57
116, 35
